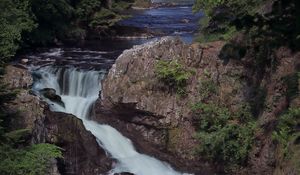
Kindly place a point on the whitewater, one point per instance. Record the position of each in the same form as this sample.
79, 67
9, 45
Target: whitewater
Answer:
79, 89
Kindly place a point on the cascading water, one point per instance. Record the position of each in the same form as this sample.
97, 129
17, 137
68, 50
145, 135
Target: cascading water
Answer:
78, 91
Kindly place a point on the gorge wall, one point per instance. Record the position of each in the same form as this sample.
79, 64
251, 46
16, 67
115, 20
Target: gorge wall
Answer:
135, 101
81, 152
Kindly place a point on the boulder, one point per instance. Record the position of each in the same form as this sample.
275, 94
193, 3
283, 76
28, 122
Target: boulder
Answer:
51, 95
17, 77
134, 100
160, 122
82, 154
24, 61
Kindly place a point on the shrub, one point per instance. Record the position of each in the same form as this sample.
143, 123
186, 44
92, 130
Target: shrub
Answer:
33, 160
103, 19
207, 88
173, 74
285, 129
224, 136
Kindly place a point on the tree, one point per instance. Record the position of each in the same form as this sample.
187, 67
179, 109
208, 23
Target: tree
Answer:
15, 20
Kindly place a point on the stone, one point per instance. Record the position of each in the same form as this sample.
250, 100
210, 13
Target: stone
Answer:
24, 61
17, 77
82, 154
161, 124
185, 21
51, 95
134, 102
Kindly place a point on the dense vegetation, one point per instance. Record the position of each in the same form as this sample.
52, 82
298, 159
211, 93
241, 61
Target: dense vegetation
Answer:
261, 26
253, 30
225, 137
285, 132
38, 22
17, 155
26, 23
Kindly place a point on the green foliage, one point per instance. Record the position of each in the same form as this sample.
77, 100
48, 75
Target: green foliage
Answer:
32, 160
103, 19
264, 25
121, 5
173, 74
53, 19
226, 35
207, 87
212, 117
17, 158
244, 7
86, 8
286, 131
15, 19
224, 136
18, 136
26, 23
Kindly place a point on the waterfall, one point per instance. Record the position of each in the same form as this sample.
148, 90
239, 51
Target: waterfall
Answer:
79, 90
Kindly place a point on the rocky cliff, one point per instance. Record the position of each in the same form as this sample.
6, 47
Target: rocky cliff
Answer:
137, 102
81, 152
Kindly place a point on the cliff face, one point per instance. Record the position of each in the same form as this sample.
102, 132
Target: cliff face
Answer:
135, 101
81, 152
141, 104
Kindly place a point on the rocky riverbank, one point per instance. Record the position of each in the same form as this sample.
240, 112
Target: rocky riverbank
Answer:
135, 101
81, 152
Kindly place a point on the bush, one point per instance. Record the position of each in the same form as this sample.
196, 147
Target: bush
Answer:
33, 160
206, 88
173, 74
285, 129
224, 137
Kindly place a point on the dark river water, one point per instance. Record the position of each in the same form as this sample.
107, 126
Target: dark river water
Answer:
101, 54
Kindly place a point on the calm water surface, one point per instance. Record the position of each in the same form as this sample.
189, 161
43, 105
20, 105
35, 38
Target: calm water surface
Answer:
101, 54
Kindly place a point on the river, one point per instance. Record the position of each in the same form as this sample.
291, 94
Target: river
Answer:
100, 54
75, 72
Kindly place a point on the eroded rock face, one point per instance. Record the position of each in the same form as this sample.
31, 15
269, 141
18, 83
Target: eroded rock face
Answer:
264, 158
28, 106
17, 77
136, 102
140, 103
81, 152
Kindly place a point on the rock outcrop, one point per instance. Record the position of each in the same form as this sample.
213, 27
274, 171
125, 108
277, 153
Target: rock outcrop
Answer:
135, 101
81, 152
142, 104
29, 108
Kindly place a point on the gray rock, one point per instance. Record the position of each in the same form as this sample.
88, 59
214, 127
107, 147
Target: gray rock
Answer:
51, 95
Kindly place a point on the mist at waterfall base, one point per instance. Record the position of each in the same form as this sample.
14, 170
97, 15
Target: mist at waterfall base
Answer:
79, 90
